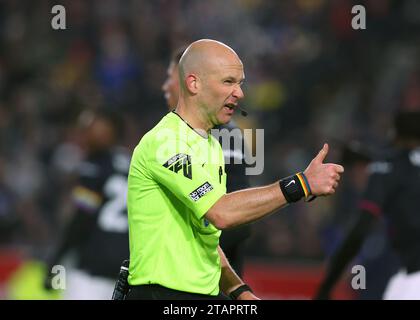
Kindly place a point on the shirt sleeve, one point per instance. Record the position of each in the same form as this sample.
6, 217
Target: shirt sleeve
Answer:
195, 183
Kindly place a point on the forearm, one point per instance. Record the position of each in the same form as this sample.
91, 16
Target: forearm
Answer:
248, 205
245, 206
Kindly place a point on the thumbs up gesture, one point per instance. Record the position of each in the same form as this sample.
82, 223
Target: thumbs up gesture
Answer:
323, 177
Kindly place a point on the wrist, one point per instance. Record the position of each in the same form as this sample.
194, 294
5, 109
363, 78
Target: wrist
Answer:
234, 295
295, 187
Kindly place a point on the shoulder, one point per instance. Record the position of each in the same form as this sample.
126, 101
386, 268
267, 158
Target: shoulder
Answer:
168, 138
168, 128
151, 138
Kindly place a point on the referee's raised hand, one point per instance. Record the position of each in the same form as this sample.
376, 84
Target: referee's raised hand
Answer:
323, 177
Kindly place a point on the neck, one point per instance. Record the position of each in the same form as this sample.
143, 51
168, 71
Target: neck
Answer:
192, 115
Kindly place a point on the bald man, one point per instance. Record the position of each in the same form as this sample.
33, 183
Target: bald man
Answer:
177, 200
231, 241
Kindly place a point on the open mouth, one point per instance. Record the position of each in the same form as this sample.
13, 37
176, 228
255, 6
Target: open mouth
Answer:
230, 106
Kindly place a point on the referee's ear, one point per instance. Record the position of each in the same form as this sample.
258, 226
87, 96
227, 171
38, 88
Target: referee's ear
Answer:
192, 83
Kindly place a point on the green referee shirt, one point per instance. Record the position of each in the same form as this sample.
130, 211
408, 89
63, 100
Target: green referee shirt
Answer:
175, 176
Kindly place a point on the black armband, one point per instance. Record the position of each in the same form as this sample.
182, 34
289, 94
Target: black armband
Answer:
295, 187
237, 292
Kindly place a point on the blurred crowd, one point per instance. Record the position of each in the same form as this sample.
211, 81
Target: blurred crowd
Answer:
310, 79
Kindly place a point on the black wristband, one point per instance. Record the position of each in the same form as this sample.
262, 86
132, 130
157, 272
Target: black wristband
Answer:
237, 292
292, 188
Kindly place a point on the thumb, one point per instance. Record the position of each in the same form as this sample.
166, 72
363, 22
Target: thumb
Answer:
322, 154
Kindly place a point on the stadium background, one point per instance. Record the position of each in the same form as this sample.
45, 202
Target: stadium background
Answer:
310, 78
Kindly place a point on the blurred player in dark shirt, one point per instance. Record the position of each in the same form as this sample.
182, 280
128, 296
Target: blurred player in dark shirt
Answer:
392, 193
97, 232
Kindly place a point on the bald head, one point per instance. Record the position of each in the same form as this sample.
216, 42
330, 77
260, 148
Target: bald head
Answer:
210, 79
204, 57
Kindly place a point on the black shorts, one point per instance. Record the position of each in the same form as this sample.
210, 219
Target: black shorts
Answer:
157, 292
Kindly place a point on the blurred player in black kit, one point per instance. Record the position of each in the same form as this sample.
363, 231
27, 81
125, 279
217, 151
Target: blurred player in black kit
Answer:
98, 230
231, 241
393, 193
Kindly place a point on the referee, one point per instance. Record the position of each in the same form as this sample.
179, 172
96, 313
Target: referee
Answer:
231, 241
177, 200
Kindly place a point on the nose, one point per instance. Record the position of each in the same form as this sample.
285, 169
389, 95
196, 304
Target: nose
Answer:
238, 93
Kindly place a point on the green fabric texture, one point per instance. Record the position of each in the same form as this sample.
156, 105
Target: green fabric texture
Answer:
175, 177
